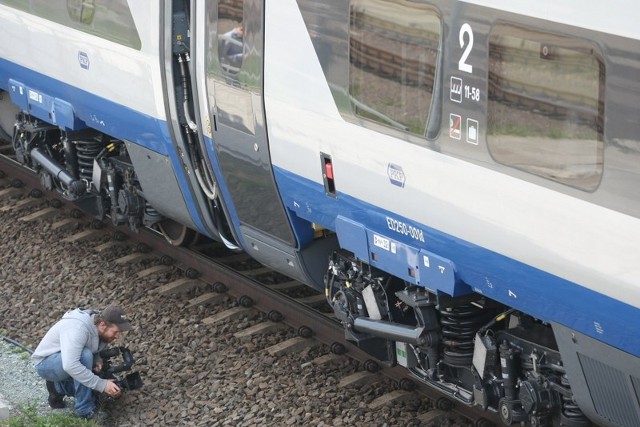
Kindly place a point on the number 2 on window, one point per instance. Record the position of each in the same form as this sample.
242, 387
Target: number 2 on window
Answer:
462, 64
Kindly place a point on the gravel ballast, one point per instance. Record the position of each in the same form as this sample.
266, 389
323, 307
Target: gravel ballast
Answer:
194, 374
20, 387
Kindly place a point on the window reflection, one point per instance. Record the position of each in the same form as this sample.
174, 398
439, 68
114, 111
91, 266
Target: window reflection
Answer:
108, 19
81, 11
234, 70
231, 51
546, 106
394, 46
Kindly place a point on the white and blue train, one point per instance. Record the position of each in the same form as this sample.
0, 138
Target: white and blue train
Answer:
460, 177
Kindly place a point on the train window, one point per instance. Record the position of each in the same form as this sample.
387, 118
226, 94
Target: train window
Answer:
236, 59
393, 52
108, 19
234, 65
546, 106
17, 4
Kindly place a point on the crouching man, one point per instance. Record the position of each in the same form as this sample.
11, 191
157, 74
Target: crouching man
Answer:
67, 357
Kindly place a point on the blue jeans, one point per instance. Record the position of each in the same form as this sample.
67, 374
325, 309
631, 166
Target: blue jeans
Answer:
51, 370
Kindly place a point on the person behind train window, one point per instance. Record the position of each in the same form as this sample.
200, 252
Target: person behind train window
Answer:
67, 358
232, 50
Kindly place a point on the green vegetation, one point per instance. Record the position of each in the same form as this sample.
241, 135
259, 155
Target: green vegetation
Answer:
19, 351
29, 418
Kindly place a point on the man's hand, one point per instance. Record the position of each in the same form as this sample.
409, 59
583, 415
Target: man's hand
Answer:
112, 389
97, 367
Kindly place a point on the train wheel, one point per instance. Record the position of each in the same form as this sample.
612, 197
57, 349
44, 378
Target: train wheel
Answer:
177, 234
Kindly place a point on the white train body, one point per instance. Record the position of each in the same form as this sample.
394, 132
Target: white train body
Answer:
469, 168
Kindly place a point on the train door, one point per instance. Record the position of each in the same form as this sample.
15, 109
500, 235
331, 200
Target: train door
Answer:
229, 78
234, 62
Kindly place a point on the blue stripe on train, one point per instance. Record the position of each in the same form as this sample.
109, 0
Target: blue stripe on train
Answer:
96, 112
533, 291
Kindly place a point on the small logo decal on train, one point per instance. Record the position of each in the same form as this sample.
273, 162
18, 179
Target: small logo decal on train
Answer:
83, 59
396, 175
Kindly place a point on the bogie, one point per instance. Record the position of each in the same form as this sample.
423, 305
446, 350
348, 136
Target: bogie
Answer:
474, 350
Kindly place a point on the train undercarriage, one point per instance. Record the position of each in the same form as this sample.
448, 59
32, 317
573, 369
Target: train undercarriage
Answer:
470, 348
86, 167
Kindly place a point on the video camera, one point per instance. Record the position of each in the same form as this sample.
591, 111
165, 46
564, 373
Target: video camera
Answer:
131, 381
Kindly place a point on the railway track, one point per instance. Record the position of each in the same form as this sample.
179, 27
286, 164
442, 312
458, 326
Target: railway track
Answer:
243, 292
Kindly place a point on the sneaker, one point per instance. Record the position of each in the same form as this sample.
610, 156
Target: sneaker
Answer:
55, 399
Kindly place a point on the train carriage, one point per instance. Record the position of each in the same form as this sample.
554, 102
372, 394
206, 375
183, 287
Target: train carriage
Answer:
459, 177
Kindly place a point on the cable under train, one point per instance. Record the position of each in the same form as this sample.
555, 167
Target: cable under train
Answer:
459, 177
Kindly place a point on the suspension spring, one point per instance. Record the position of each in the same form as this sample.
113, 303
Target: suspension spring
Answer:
150, 210
572, 416
87, 152
151, 214
459, 326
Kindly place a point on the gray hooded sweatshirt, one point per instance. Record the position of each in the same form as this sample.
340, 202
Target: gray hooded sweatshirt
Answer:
70, 336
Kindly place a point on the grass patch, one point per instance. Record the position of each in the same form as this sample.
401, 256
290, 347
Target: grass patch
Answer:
29, 418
